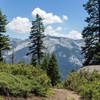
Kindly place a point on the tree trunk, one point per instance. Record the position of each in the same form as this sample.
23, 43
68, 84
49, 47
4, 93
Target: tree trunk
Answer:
13, 57
1, 58
99, 20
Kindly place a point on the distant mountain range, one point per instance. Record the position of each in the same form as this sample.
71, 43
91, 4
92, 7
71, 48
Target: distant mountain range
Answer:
68, 52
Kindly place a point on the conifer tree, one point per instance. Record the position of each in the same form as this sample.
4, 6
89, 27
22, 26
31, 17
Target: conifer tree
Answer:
33, 61
13, 57
36, 37
4, 40
53, 70
45, 62
91, 33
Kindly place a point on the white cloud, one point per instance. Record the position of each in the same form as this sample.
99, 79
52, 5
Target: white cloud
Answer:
52, 32
49, 18
23, 25
19, 25
58, 28
74, 35
65, 17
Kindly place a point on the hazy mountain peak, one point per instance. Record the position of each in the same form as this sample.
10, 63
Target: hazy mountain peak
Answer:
68, 52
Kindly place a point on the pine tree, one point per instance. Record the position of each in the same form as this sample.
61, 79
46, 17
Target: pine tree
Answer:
33, 61
45, 62
13, 57
53, 70
36, 36
91, 33
4, 40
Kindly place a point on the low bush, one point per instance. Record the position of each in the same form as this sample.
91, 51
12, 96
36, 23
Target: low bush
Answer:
59, 85
85, 83
23, 80
90, 91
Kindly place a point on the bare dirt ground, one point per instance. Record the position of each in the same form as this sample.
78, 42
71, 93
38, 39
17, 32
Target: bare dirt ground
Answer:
64, 94
60, 94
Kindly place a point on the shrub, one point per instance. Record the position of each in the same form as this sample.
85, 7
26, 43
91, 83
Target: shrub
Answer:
90, 91
60, 85
23, 80
75, 79
87, 84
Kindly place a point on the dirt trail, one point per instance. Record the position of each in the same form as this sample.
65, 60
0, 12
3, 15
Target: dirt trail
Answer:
64, 94
60, 94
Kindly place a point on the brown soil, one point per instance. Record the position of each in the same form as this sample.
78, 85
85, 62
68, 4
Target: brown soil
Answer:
60, 94
64, 94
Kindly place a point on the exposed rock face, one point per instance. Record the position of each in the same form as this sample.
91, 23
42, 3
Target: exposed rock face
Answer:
92, 68
68, 52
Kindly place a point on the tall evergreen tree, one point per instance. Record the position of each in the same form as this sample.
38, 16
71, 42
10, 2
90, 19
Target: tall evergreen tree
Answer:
53, 70
13, 57
45, 62
4, 40
91, 33
36, 36
33, 61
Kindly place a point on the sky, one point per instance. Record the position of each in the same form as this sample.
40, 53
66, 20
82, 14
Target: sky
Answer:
61, 18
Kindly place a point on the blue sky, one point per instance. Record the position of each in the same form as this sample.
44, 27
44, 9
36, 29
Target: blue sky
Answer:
70, 14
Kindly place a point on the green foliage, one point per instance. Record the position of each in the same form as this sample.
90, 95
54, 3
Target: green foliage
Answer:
53, 70
4, 40
33, 61
1, 98
23, 80
60, 85
15, 85
90, 91
51, 92
45, 63
91, 33
36, 37
87, 84
75, 79
3, 22
50, 66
